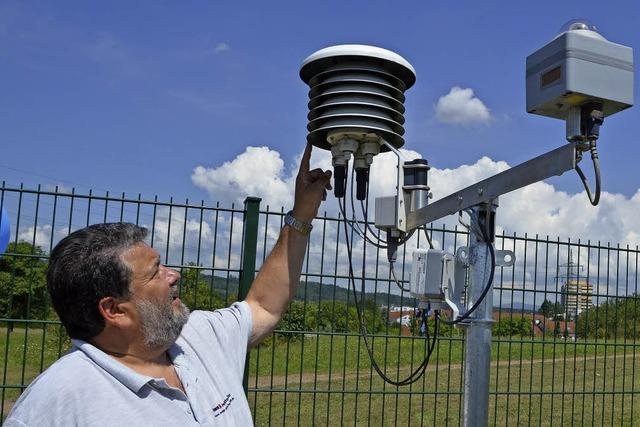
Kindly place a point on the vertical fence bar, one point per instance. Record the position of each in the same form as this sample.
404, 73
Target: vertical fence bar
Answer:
248, 269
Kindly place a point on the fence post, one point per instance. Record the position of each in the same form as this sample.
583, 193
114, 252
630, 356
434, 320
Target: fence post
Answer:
248, 268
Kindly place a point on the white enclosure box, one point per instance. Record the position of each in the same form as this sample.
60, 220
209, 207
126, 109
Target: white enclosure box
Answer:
576, 67
426, 275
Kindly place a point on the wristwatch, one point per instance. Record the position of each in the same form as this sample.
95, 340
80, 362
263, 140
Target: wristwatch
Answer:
296, 224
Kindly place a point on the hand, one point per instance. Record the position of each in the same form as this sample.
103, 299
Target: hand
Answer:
311, 189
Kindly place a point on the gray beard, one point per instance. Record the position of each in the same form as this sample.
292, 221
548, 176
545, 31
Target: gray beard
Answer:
160, 322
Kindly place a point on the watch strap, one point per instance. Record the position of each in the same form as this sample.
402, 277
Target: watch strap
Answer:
300, 226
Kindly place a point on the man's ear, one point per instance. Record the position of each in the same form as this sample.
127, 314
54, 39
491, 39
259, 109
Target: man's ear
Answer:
114, 311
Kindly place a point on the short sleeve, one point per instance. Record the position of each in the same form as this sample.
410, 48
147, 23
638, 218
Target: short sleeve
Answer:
224, 333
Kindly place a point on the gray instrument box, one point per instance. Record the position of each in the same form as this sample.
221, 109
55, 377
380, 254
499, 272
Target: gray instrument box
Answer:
579, 66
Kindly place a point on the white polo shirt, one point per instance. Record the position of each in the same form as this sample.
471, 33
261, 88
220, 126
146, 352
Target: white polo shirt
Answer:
87, 387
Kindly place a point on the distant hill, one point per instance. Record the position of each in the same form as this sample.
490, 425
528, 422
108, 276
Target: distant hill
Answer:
314, 292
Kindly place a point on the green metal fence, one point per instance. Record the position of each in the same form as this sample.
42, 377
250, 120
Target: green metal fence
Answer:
565, 339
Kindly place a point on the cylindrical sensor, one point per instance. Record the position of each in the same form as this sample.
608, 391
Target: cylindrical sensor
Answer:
362, 182
356, 90
416, 185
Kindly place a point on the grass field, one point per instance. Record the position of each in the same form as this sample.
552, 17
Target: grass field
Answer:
328, 380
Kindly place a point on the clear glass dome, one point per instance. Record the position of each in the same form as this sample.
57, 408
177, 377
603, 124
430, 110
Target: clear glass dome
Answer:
583, 25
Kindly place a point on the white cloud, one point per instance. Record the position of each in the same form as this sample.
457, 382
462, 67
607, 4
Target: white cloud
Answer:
60, 188
539, 208
221, 47
460, 107
41, 235
259, 171
194, 237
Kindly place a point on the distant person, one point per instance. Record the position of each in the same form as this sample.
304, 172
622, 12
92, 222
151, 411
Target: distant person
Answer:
139, 357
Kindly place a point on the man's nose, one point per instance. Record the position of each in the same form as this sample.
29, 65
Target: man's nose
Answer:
173, 275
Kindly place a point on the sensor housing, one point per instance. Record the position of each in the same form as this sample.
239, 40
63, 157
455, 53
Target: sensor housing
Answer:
577, 67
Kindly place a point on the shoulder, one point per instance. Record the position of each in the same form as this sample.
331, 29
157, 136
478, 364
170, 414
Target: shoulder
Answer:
233, 318
223, 328
55, 391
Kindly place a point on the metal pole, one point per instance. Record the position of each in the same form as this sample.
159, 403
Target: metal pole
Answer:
477, 360
248, 272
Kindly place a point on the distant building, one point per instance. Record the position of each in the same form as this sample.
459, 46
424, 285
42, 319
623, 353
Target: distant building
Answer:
576, 292
576, 296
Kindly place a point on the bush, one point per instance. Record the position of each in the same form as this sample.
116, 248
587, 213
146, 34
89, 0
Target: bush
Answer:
509, 327
329, 316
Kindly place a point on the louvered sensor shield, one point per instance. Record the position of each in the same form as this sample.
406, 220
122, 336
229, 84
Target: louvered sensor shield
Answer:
356, 91
356, 105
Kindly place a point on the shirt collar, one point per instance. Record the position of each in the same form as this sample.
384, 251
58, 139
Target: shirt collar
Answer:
127, 376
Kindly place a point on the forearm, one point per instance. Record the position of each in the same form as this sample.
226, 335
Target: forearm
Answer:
279, 276
277, 281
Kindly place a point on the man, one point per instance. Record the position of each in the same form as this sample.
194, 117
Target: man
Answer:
138, 356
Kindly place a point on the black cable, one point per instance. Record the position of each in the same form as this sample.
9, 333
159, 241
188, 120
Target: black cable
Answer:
356, 228
424, 228
381, 240
353, 223
381, 244
365, 214
416, 374
595, 198
485, 236
395, 279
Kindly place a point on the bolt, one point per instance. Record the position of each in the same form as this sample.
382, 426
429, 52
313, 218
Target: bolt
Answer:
460, 200
480, 191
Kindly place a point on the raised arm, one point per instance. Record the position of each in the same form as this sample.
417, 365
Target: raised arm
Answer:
278, 279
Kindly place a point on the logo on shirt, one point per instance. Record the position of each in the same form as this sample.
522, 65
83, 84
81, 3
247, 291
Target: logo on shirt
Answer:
221, 407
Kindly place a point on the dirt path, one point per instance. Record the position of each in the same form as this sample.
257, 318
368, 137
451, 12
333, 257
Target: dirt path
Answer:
279, 381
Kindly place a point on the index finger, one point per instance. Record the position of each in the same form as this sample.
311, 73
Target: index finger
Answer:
304, 162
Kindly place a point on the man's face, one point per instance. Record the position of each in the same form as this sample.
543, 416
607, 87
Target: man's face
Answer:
159, 312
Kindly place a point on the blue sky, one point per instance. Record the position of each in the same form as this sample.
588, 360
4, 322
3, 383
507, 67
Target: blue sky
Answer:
132, 96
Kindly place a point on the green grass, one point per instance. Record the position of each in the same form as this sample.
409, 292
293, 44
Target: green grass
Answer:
21, 363
522, 395
334, 353
328, 380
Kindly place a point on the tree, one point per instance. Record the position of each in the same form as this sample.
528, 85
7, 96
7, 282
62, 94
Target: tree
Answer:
23, 287
615, 318
546, 309
558, 310
551, 310
197, 292
328, 316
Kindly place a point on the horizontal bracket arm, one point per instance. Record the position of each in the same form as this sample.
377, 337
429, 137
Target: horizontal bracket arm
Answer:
553, 163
